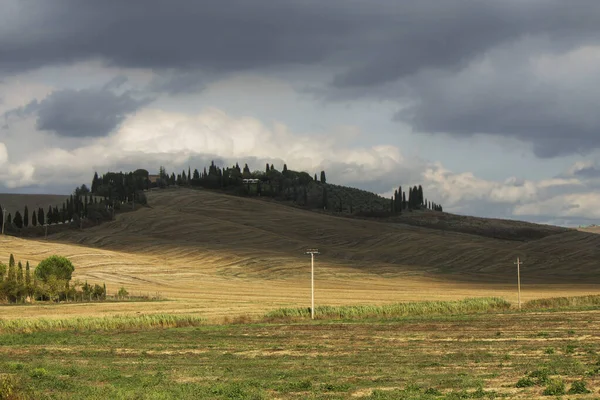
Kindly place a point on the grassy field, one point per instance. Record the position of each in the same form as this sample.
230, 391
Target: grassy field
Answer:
218, 255
490, 356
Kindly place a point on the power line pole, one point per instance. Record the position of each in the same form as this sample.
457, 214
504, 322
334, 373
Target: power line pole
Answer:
3, 219
312, 253
519, 280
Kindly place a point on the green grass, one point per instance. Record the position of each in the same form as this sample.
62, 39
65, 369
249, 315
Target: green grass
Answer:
563, 302
422, 308
146, 321
443, 357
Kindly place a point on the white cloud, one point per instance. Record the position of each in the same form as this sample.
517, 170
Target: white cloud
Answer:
154, 137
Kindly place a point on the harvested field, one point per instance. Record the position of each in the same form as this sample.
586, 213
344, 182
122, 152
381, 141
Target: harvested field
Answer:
218, 255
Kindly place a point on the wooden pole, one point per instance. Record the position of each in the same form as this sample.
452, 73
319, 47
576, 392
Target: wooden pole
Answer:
519, 280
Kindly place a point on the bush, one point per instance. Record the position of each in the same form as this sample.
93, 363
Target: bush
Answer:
556, 387
578, 387
10, 388
525, 382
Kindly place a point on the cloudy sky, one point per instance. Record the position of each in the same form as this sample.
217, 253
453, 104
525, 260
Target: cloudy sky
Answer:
491, 106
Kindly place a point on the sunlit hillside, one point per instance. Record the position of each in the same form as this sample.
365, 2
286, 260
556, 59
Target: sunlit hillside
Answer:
219, 254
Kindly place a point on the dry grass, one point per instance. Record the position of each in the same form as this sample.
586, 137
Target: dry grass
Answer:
219, 255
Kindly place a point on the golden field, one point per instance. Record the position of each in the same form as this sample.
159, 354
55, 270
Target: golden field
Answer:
217, 255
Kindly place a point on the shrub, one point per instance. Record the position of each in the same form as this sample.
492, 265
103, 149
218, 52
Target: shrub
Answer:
556, 387
525, 382
10, 388
578, 387
38, 373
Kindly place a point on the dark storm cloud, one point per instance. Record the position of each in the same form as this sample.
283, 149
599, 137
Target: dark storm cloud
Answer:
367, 48
377, 42
81, 113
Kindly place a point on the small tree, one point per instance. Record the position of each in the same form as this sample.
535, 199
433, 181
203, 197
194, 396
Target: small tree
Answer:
18, 220
3, 269
57, 266
12, 273
323, 178
20, 275
26, 217
34, 219
122, 293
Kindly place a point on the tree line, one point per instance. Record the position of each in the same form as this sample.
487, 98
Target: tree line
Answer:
50, 281
297, 186
415, 200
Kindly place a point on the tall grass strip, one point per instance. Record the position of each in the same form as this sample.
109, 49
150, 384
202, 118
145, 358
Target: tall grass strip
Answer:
563, 302
117, 322
421, 308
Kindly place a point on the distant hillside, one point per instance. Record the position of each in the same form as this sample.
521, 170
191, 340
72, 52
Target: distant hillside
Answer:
17, 202
247, 237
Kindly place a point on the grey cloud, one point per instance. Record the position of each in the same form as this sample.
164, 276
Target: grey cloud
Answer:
556, 117
174, 83
81, 113
373, 43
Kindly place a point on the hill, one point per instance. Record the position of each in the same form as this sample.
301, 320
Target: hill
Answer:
17, 202
218, 254
204, 220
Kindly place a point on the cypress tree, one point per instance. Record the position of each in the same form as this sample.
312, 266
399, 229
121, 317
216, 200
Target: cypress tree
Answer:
323, 179
40, 216
9, 219
27, 275
94, 183
20, 273
421, 199
18, 220
399, 202
12, 273
316, 180
324, 197
393, 203
404, 200
410, 198
50, 215
34, 219
26, 217
267, 169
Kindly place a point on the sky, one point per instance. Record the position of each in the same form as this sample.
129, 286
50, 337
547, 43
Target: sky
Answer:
491, 106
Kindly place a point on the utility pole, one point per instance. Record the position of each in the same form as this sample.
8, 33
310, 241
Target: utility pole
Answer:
3, 219
519, 280
312, 253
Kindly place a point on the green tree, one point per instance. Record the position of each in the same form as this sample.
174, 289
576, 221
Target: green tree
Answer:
18, 220
41, 216
34, 219
57, 266
26, 217
27, 275
3, 269
323, 179
324, 198
12, 273
20, 273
